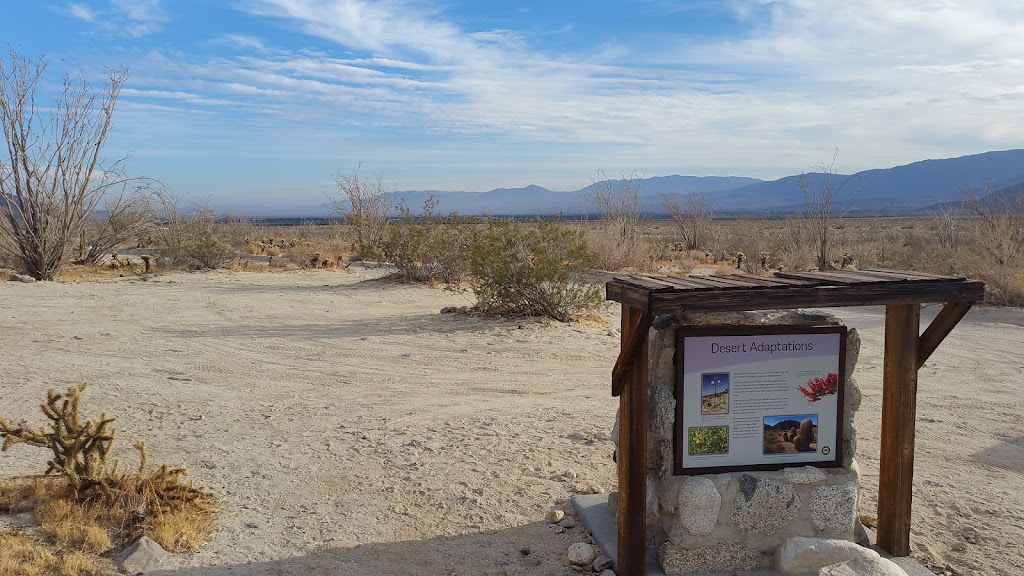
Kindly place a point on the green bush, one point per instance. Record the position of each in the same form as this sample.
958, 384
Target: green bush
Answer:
532, 269
429, 248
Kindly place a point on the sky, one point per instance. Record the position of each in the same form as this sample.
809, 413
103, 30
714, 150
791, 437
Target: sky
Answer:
257, 104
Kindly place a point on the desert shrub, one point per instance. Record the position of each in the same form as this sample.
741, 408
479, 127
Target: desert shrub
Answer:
532, 269
188, 237
428, 248
363, 205
87, 502
692, 216
616, 241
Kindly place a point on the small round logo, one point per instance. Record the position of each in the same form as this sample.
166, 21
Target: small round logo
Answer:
825, 450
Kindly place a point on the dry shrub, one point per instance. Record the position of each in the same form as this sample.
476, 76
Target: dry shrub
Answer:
430, 247
90, 505
616, 242
22, 554
532, 270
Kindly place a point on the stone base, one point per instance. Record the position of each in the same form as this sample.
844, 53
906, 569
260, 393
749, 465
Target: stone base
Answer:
599, 521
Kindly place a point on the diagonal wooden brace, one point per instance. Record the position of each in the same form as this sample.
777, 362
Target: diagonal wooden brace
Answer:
941, 326
627, 356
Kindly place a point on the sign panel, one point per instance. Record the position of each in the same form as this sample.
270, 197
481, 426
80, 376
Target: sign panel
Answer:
758, 397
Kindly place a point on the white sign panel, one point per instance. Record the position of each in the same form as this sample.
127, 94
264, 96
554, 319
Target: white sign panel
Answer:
753, 397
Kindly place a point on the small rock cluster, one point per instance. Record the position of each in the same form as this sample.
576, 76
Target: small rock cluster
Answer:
583, 557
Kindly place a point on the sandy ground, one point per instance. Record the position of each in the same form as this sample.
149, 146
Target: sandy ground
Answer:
329, 409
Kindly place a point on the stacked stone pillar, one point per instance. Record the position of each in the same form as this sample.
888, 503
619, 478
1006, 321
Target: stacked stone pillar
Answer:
737, 521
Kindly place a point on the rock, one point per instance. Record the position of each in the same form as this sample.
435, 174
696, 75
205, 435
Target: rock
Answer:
581, 554
22, 278
555, 516
22, 506
835, 507
602, 563
144, 555
699, 505
607, 573
510, 570
800, 555
559, 529
764, 505
804, 475
569, 522
863, 567
570, 474
449, 310
725, 557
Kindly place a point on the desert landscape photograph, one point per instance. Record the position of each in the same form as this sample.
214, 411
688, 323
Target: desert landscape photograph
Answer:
328, 287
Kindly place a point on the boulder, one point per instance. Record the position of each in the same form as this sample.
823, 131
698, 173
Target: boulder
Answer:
835, 507
725, 557
22, 278
804, 475
144, 555
582, 554
699, 505
863, 567
764, 505
801, 555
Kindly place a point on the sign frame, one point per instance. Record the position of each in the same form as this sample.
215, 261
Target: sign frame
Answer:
679, 426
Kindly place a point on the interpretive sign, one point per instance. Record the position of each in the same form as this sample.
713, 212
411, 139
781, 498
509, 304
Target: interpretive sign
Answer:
758, 397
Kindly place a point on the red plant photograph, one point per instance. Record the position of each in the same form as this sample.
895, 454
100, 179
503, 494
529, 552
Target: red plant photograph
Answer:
818, 388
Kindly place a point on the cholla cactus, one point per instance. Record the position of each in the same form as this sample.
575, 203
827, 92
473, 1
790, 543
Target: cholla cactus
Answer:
79, 448
740, 257
764, 260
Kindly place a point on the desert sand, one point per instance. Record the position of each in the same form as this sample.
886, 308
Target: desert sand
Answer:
351, 429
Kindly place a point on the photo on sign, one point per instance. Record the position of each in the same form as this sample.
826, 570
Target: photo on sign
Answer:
818, 388
714, 393
709, 440
791, 434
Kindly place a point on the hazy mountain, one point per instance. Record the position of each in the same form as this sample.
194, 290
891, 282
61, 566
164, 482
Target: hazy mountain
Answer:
998, 200
903, 188
907, 188
535, 199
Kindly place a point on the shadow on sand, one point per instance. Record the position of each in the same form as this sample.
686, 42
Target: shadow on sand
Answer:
481, 553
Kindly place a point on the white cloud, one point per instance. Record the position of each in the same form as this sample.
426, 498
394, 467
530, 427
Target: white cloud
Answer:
82, 12
886, 82
123, 18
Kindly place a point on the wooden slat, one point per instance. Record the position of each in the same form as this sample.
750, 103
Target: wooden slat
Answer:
687, 284
916, 274
627, 295
899, 409
708, 282
941, 326
773, 282
893, 276
815, 297
632, 457
652, 284
735, 282
832, 277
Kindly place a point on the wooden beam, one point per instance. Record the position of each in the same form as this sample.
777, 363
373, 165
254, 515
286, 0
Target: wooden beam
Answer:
941, 325
632, 452
628, 354
815, 297
899, 412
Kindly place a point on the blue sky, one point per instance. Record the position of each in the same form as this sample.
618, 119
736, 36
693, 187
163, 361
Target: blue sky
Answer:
256, 103
708, 383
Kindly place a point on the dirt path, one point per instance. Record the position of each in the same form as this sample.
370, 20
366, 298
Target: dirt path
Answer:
330, 408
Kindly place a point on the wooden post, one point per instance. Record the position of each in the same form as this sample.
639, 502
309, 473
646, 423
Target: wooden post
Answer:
632, 455
899, 412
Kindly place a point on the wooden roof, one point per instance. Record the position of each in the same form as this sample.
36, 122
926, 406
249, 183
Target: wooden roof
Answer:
871, 286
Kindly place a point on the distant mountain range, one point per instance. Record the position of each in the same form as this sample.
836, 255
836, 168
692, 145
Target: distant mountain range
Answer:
912, 188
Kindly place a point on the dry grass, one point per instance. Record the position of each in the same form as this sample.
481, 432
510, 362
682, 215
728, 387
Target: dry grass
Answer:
22, 554
90, 506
